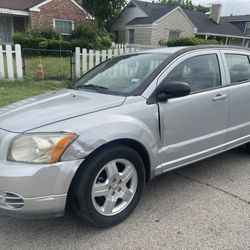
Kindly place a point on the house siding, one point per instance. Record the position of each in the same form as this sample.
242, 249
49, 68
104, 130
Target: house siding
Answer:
143, 36
56, 9
127, 15
173, 21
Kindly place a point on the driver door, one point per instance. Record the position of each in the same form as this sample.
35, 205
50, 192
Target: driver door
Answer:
194, 126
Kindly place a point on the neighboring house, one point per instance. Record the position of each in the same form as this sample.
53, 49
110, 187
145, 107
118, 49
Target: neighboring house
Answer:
213, 27
19, 15
242, 22
147, 23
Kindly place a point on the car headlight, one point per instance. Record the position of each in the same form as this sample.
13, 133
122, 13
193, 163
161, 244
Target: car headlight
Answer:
39, 148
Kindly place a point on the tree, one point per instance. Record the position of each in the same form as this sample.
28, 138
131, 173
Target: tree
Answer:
104, 10
202, 8
186, 4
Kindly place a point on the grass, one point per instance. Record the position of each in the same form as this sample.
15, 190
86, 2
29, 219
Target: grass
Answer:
18, 90
58, 68
53, 67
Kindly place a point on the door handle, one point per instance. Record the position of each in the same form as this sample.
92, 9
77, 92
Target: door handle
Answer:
220, 97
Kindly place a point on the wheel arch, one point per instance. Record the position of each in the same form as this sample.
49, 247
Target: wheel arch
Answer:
137, 146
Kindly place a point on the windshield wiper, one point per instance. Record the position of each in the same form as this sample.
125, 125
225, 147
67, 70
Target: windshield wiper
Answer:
96, 88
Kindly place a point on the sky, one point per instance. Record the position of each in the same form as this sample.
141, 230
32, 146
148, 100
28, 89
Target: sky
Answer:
235, 7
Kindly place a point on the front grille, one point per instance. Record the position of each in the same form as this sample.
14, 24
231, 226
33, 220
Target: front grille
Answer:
11, 200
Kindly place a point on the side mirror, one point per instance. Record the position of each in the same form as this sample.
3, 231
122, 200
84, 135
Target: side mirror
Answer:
172, 89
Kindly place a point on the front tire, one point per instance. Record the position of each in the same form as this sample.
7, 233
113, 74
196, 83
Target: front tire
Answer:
109, 186
248, 146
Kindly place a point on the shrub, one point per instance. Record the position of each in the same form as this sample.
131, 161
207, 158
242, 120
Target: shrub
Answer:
106, 41
45, 33
84, 36
27, 41
187, 41
84, 32
81, 43
55, 45
89, 37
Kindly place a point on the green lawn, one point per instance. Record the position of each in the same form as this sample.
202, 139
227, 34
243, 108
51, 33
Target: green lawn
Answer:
55, 68
15, 91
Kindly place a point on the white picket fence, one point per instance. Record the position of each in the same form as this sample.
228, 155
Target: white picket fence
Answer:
85, 60
11, 63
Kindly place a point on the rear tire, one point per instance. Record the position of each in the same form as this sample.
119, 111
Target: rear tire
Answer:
109, 186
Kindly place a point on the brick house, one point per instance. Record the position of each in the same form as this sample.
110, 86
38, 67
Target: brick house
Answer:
19, 15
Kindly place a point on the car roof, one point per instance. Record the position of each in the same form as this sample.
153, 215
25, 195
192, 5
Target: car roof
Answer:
192, 48
167, 50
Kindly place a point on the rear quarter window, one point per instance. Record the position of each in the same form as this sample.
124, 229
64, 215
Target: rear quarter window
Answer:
239, 67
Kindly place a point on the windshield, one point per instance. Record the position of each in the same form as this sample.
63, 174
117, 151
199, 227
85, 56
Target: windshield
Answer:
122, 74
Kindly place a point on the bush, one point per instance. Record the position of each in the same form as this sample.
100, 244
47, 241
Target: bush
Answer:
45, 33
187, 41
55, 45
84, 32
81, 43
27, 41
89, 37
106, 41
84, 36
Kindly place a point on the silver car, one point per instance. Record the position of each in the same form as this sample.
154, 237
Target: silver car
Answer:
93, 146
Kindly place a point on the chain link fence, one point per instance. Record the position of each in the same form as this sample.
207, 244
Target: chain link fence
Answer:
41, 64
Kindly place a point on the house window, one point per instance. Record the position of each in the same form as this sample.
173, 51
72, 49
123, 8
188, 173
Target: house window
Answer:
247, 32
173, 34
65, 27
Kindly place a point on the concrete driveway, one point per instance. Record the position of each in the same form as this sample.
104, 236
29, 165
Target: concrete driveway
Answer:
203, 206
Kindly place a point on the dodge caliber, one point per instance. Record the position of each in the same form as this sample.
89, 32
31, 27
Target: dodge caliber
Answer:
93, 146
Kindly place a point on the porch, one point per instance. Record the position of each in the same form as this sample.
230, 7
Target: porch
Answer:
243, 41
10, 24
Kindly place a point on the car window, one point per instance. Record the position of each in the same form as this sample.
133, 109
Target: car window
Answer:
122, 74
239, 67
200, 72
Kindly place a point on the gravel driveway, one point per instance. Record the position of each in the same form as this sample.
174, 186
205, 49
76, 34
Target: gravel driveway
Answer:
202, 206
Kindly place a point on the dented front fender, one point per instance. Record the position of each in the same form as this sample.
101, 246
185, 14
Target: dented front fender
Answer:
133, 120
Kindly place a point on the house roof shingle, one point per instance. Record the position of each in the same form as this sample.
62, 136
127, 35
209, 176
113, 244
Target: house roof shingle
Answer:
205, 25
148, 7
155, 14
202, 22
23, 5
239, 18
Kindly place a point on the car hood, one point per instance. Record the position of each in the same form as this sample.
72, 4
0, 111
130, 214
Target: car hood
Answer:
54, 107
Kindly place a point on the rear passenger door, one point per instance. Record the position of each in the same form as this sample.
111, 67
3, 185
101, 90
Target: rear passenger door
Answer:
238, 77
